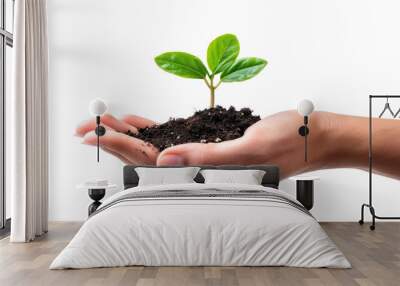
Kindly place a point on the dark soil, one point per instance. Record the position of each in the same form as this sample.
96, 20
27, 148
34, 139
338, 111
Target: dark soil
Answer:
209, 125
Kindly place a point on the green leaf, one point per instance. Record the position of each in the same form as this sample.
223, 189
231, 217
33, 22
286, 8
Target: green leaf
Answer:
243, 69
182, 64
222, 53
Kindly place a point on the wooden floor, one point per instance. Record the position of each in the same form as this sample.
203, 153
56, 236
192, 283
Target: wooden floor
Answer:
375, 257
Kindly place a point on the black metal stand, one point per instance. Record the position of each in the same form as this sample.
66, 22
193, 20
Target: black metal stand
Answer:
304, 131
96, 195
370, 205
305, 193
100, 131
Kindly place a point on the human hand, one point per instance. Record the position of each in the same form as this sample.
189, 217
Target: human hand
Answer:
335, 141
272, 140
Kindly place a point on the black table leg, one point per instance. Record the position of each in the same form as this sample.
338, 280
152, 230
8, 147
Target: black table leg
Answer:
96, 195
305, 193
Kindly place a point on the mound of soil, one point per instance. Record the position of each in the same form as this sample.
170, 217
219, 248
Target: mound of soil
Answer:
209, 125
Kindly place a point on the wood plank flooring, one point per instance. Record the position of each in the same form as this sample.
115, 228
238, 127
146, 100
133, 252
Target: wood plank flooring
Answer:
375, 257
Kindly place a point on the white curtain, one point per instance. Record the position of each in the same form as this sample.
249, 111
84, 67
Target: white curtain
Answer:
28, 120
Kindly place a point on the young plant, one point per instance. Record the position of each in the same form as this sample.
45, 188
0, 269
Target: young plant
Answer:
222, 60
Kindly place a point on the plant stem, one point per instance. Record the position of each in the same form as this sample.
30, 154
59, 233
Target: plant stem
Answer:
212, 98
212, 88
212, 92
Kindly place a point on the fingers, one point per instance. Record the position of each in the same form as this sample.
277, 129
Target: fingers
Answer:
129, 149
229, 152
107, 119
137, 121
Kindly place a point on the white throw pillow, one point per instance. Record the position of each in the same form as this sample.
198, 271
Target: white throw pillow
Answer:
248, 177
162, 176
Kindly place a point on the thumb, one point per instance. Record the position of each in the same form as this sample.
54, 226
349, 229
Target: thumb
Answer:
229, 152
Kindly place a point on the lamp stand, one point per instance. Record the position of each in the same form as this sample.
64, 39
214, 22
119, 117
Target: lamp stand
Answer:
100, 131
304, 131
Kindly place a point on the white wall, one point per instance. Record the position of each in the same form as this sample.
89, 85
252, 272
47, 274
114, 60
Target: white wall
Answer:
333, 52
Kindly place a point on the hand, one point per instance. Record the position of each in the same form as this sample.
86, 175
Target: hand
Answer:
335, 141
128, 149
272, 140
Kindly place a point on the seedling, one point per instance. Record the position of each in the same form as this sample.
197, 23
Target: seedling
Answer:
222, 60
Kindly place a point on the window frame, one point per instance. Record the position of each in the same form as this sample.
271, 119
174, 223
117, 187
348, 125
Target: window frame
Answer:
6, 39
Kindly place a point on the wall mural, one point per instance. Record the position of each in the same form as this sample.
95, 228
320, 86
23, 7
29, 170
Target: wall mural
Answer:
225, 135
